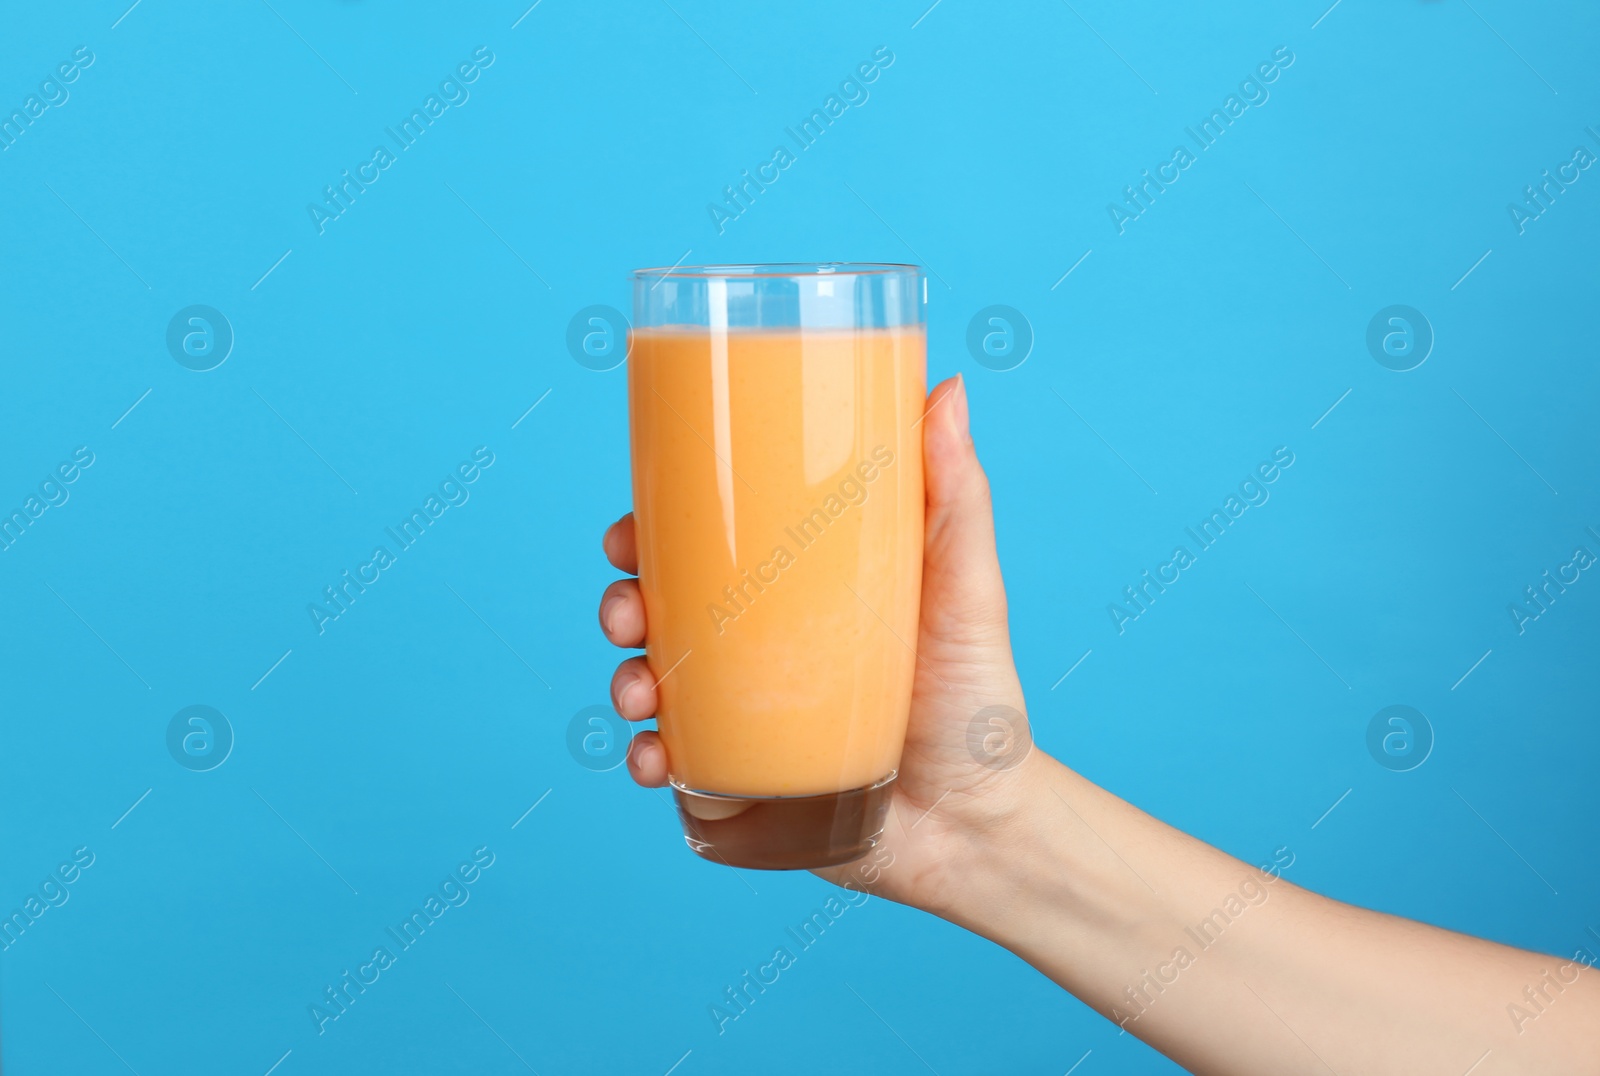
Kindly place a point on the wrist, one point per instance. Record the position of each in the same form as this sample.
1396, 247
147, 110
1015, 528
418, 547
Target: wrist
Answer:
1043, 881
995, 865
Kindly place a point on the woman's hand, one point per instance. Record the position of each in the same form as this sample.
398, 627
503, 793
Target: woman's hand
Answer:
1225, 967
968, 756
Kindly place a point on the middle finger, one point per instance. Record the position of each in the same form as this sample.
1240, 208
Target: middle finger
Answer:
622, 613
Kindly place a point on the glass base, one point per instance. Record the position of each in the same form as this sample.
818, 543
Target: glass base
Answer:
782, 833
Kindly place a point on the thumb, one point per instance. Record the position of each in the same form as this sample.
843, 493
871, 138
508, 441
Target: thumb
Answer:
963, 595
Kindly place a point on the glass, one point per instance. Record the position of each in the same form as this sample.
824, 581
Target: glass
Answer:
775, 413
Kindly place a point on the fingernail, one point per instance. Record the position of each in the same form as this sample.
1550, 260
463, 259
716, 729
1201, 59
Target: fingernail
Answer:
959, 405
608, 613
641, 760
634, 689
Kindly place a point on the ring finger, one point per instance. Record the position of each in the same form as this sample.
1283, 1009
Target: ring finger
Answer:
633, 690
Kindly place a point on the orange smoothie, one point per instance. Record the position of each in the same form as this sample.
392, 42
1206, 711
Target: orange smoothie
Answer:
778, 500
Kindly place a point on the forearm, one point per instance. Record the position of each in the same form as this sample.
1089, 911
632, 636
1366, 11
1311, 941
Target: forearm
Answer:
1226, 968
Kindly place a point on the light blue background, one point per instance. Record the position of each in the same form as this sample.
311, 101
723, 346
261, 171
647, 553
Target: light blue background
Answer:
427, 719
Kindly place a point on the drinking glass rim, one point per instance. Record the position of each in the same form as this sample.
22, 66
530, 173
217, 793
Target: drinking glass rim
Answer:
771, 270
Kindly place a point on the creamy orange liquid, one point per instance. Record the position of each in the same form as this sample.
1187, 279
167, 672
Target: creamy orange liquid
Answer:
778, 496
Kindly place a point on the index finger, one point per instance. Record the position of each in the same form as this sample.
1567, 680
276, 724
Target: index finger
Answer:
621, 549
